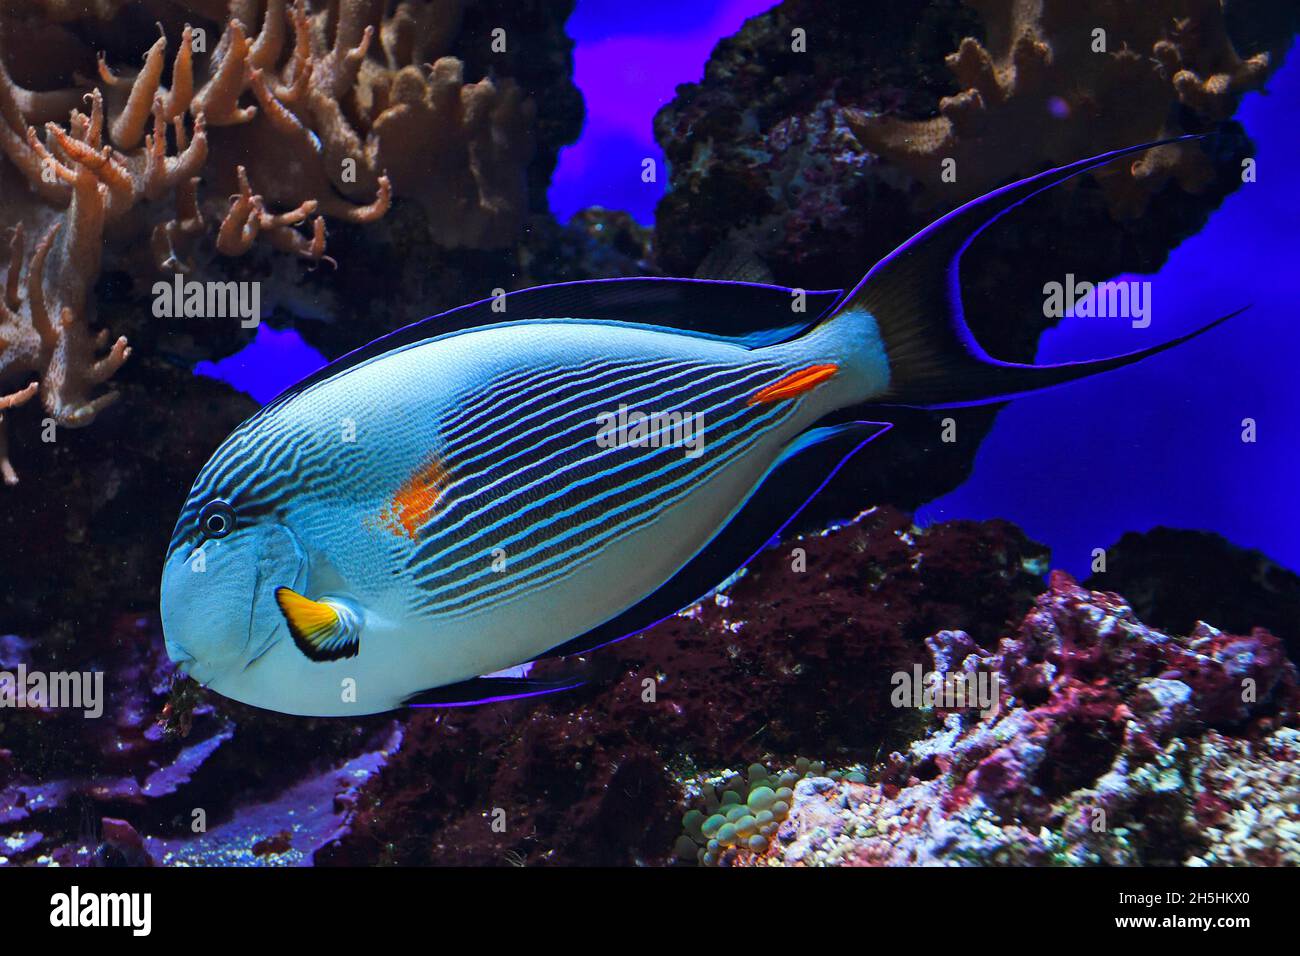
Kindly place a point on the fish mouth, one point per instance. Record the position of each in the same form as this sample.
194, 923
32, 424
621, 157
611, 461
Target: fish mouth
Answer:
186, 664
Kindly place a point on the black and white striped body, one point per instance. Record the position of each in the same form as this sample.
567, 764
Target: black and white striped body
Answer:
532, 532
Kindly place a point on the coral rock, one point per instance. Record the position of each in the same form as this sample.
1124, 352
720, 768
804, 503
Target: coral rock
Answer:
256, 120
1077, 79
1114, 743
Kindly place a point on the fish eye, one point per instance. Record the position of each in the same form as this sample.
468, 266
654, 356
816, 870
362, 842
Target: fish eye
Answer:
217, 518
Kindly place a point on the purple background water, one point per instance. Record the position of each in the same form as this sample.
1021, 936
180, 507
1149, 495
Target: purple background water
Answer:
628, 61
1160, 443
1155, 444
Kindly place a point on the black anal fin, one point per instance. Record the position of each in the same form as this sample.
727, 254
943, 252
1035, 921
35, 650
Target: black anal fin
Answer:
488, 690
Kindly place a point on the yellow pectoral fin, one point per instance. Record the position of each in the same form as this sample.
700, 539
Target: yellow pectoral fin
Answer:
323, 630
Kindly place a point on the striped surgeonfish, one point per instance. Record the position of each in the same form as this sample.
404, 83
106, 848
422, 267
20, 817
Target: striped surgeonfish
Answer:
481, 489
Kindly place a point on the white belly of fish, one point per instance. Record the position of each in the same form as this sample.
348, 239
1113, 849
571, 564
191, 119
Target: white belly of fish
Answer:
602, 585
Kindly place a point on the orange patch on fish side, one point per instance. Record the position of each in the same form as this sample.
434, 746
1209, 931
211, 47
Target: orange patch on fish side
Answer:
413, 504
794, 384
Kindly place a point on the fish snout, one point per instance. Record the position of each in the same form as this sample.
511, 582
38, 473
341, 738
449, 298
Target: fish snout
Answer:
206, 603
185, 662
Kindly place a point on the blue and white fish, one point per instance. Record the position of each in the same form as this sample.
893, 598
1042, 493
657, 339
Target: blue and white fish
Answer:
480, 490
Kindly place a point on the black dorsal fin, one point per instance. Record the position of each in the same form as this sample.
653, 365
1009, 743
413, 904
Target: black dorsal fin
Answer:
749, 313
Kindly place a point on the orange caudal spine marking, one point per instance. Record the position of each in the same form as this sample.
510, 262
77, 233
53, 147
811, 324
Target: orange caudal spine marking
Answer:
794, 384
414, 503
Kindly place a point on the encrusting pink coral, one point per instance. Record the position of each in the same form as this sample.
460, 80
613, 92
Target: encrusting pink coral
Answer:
1111, 742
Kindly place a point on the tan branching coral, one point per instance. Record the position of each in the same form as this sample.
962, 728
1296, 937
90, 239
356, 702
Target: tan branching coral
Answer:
329, 108
44, 317
1076, 77
43, 335
334, 108
215, 97
366, 105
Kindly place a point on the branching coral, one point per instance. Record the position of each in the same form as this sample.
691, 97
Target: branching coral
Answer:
44, 329
328, 108
364, 98
333, 108
98, 170
1075, 79
39, 338
282, 147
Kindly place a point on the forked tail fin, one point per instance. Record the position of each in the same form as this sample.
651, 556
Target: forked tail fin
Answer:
914, 294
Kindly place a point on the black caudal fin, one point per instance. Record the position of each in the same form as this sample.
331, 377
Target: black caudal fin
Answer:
914, 294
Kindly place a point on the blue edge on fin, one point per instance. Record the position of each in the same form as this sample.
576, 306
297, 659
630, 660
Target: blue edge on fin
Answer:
761, 314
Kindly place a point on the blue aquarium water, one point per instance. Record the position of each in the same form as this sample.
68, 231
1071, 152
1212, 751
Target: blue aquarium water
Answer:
1165, 447
628, 60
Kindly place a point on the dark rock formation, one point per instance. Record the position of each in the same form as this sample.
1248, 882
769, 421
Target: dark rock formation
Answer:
764, 163
1174, 577
786, 662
